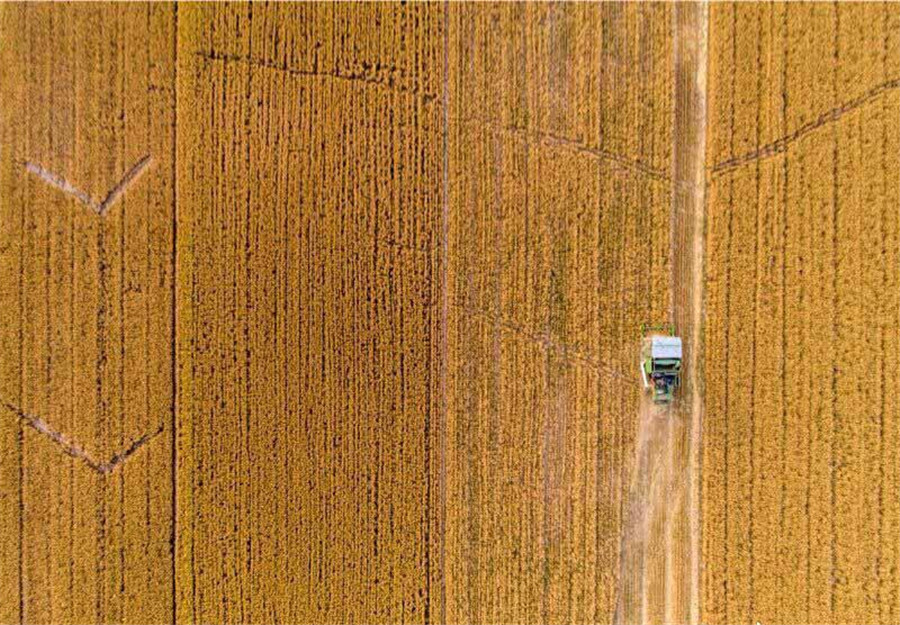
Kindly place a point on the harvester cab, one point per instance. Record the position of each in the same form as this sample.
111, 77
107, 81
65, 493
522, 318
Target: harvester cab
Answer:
660, 361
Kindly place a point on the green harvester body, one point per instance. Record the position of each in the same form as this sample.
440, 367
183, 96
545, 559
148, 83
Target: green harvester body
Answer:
661, 354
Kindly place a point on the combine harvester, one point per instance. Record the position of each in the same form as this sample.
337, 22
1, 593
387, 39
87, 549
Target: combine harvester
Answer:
660, 361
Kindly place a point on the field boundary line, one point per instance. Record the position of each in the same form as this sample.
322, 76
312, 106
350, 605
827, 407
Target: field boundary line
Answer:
688, 265
698, 314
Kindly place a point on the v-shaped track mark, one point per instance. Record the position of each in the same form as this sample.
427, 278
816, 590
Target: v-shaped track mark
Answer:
74, 450
102, 207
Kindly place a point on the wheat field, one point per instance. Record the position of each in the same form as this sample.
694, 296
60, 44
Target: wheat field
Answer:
331, 312
801, 489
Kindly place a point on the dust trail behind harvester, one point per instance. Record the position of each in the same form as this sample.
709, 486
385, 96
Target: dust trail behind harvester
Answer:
652, 560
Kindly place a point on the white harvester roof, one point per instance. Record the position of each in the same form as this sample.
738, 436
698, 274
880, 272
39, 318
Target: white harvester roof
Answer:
665, 347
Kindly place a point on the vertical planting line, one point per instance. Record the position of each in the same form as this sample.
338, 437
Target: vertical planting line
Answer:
785, 226
102, 270
882, 381
727, 325
173, 542
835, 324
677, 240
445, 303
20, 433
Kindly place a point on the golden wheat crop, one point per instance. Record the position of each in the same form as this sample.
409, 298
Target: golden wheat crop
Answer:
801, 462
331, 312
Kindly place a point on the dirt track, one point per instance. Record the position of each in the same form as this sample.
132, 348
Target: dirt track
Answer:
660, 562
655, 502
